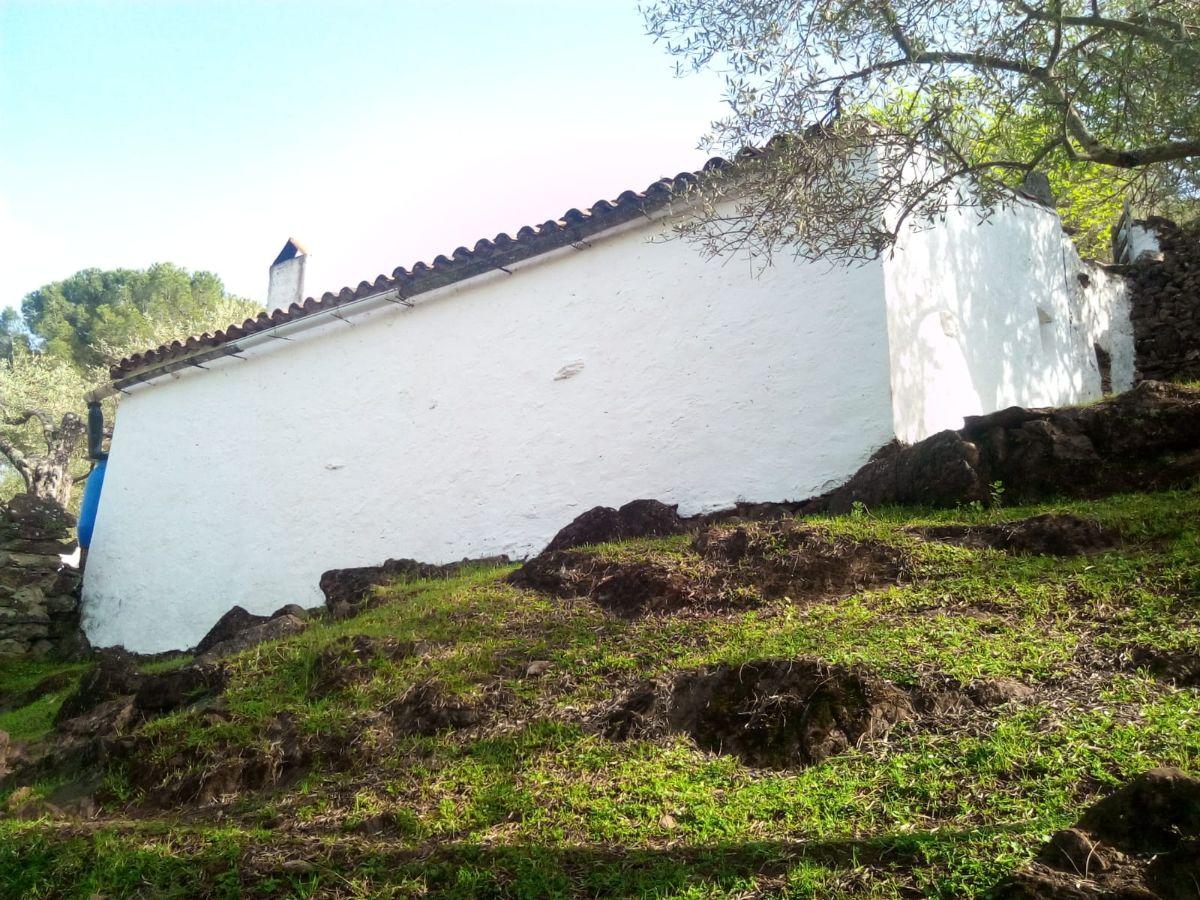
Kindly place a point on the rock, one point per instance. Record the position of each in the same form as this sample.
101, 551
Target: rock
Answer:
538, 668
269, 629
38, 520
1163, 305
115, 675
638, 518
292, 609
1149, 813
353, 587
228, 627
1145, 439
163, 692
105, 718
998, 691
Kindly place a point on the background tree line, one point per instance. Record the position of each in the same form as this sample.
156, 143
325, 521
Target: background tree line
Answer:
57, 346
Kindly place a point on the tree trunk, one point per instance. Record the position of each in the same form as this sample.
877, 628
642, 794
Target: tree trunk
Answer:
49, 477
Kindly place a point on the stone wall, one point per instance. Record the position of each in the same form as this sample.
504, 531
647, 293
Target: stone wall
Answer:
39, 596
1165, 308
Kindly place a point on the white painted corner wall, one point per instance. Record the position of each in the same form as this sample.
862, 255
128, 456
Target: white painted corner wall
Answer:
480, 422
1003, 312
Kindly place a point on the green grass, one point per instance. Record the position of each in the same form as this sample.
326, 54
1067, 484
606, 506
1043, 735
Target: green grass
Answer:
537, 803
33, 720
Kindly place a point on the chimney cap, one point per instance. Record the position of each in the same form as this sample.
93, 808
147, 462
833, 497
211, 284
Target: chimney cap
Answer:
290, 250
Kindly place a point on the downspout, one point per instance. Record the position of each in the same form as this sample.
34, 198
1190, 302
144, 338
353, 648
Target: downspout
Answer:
90, 505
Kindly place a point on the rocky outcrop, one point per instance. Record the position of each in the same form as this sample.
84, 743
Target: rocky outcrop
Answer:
1145, 439
39, 595
346, 590
600, 524
239, 630
1165, 305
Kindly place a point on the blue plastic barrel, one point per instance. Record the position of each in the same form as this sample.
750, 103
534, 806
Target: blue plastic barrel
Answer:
91, 503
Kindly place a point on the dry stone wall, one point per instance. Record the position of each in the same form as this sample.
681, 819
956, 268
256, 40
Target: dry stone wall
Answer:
1165, 304
39, 595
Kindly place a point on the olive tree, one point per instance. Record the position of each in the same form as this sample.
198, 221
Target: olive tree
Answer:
926, 94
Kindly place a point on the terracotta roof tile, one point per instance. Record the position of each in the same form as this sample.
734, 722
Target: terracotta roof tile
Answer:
486, 255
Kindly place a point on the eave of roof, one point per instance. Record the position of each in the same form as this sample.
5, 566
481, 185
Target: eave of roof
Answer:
487, 255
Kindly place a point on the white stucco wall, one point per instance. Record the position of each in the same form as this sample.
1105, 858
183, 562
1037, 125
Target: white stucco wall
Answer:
982, 316
480, 422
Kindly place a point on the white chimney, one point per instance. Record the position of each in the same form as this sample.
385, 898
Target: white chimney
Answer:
286, 285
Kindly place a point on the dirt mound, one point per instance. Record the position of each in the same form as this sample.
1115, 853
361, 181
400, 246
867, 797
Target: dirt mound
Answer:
785, 713
286, 752
351, 660
776, 559
427, 708
1180, 666
1147, 438
600, 524
1050, 534
1143, 841
772, 713
789, 558
624, 588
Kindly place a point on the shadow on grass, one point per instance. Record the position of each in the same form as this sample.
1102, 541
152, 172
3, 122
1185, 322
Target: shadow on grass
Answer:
166, 861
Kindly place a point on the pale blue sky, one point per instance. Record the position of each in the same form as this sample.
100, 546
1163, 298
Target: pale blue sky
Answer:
377, 133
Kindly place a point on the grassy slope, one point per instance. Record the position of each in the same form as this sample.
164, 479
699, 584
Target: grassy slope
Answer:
537, 803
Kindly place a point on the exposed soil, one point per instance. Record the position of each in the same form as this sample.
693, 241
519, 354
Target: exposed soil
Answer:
350, 660
786, 713
782, 558
1180, 666
1143, 841
786, 558
1051, 535
286, 752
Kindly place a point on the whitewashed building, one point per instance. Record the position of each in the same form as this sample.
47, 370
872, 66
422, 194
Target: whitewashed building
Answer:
475, 405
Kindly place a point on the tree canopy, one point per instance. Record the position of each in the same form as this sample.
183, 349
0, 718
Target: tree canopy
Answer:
1102, 94
95, 315
58, 347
